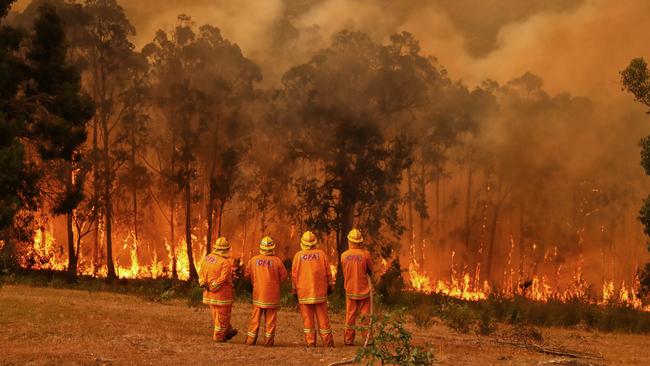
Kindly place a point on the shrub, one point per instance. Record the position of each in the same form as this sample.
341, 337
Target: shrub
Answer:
6, 277
391, 284
194, 296
486, 325
459, 317
423, 315
392, 344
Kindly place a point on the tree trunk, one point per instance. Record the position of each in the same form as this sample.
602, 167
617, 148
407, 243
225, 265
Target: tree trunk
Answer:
134, 194
522, 241
409, 183
108, 182
97, 193
72, 254
172, 206
222, 206
188, 230
212, 188
347, 221
493, 232
468, 213
210, 217
423, 188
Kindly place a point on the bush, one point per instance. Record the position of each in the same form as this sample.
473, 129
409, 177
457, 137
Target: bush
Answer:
644, 281
423, 315
459, 317
486, 325
391, 284
392, 344
6, 277
194, 296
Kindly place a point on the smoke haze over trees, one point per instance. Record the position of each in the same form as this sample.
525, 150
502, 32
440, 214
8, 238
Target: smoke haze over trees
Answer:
487, 139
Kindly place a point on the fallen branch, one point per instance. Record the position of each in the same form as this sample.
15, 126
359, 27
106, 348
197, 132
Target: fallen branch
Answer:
553, 351
566, 362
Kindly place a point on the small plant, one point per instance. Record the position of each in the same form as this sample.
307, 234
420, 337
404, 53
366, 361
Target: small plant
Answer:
486, 324
460, 318
194, 296
392, 344
6, 277
391, 285
423, 315
524, 334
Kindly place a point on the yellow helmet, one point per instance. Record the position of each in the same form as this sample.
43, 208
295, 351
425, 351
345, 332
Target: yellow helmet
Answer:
355, 236
308, 239
222, 244
267, 244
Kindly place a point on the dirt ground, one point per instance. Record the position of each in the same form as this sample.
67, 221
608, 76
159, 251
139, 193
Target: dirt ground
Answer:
44, 326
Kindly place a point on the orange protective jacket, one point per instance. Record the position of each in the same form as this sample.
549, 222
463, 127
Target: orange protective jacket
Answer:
266, 272
357, 266
215, 276
311, 276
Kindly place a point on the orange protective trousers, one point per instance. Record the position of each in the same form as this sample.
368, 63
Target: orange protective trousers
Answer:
270, 316
308, 312
354, 308
221, 318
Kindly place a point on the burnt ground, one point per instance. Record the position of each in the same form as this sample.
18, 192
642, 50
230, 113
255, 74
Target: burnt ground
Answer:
46, 326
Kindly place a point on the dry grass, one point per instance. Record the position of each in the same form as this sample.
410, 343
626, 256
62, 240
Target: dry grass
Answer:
44, 326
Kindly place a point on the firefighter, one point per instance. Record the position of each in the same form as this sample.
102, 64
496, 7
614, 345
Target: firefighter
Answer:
216, 276
266, 272
357, 269
312, 281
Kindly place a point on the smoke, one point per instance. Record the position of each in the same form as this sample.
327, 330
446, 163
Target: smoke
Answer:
576, 46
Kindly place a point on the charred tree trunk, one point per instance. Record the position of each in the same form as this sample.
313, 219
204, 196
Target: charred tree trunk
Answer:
492, 242
423, 188
409, 184
212, 190
108, 203
522, 241
222, 206
188, 229
346, 223
468, 213
96, 193
72, 253
172, 207
210, 218
134, 193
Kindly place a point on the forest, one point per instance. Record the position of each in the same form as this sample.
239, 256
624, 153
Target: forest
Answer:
126, 154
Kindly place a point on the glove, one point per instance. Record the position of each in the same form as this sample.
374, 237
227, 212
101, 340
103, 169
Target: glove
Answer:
330, 289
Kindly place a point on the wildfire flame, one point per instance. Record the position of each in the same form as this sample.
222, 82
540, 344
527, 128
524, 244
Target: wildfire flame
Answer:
47, 254
537, 289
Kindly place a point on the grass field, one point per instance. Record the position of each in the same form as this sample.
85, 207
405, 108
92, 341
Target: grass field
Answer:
46, 326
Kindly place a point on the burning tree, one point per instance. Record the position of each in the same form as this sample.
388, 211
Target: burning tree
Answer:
110, 56
50, 114
339, 130
636, 80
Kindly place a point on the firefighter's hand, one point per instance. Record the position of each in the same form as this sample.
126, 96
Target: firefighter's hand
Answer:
330, 289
